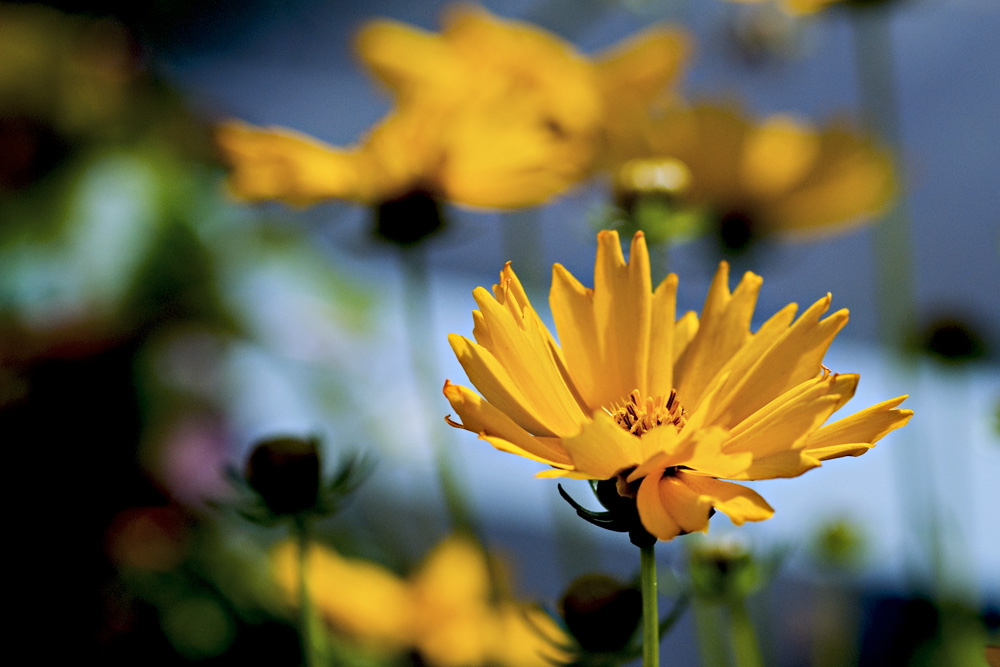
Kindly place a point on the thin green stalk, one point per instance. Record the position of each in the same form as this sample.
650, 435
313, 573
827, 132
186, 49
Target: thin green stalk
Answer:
893, 246
416, 303
743, 636
650, 615
711, 641
894, 273
305, 602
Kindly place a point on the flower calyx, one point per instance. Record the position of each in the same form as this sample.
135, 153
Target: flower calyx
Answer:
621, 515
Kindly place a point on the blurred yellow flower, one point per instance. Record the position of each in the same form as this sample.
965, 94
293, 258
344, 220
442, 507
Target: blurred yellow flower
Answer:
664, 408
487, 113
794, 7
779, 175
446, 610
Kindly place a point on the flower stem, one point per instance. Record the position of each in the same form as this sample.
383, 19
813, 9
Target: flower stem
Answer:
711, 640
416, 300
650, 615
305, 603
744, 638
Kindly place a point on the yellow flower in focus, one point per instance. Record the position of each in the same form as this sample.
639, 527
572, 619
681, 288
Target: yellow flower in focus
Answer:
445, 610
775, 176
663, 408
487, 113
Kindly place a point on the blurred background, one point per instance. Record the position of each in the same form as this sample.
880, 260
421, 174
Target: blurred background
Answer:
153, 328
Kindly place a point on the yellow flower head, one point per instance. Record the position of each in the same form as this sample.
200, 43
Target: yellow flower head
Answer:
663, 407
794, 7
775, 176
487, 113
445, 610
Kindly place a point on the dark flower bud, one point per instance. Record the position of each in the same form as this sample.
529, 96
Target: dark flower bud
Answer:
601, 612
952, 339
285, 472
409, 218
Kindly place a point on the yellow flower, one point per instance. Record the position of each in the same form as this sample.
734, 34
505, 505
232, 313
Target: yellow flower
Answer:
445, 610
794, 7
487, 113
778, 175
663, 407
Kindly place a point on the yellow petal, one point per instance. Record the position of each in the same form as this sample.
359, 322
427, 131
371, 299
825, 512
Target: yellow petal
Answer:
856, 434
497, 386
622, 302
663, 311
853, 181
687, 507
602, 448
361, 599
522, 347
737, 502
794, 357
653, 514
406, 58
498, 429
724, 327
605, 331
777, 155
280, 164
642, 67
784, 425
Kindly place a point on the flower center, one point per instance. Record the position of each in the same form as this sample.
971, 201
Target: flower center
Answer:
637, 415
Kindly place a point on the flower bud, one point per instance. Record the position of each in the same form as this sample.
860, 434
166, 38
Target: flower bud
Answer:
408, 219
285, 472
601, 613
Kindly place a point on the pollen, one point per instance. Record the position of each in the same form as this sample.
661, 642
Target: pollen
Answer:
637, 415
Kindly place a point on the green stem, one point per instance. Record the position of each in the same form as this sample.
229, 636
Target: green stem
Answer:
711, 641
305, 602
879, 107
416, 303
650, 615
744, 638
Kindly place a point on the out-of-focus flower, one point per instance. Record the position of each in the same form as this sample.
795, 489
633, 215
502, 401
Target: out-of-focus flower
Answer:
601, 613
722, 569
63, 80
487, 113
660, 409
777, 176
638, 80
148, 538
446, 610
284, 478
794, 7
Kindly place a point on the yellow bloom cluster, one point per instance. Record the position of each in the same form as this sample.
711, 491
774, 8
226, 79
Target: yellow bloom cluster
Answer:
502, 114
665, 407
446, 610
794, 7
487, 113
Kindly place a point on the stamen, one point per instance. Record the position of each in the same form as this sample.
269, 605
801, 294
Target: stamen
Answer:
638, 416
